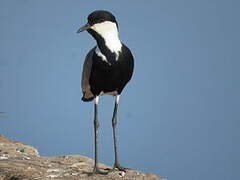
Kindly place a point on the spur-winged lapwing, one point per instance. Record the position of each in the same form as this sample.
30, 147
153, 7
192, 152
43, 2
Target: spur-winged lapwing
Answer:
107, 69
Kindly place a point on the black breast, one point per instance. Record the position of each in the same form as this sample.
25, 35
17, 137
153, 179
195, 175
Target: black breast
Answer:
111, 75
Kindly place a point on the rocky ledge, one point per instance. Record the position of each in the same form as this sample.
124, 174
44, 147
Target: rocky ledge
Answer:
22, 162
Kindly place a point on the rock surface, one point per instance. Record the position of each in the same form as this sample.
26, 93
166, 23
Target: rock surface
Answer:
22, 162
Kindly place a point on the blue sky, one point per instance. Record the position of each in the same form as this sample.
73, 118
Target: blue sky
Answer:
179, 115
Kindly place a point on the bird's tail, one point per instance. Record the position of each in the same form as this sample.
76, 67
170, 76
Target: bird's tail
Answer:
87, 96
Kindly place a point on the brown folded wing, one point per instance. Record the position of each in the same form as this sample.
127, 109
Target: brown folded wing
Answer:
87, 94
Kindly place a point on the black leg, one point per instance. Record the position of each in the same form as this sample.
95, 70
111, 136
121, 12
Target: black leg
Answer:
96, 169
96, 125
114, 124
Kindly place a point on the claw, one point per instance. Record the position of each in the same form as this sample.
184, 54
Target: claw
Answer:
120, 168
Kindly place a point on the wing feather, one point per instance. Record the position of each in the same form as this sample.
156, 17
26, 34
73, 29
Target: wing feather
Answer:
86, 72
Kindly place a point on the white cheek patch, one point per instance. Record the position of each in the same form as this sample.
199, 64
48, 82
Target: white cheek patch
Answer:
109, 32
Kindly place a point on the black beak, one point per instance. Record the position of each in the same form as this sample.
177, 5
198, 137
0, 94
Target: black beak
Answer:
85, 27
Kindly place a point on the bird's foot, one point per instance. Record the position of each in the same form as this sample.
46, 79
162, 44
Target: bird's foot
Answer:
96, 170
119, 168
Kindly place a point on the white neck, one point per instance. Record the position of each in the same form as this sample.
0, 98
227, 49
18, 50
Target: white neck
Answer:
109, 32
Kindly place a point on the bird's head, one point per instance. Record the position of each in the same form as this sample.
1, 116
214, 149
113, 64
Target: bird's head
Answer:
100, 22
103, 26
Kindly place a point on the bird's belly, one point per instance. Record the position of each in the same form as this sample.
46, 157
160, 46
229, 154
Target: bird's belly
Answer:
107, 82
113, 93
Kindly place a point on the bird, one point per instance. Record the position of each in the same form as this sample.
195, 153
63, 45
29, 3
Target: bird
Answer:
107, 68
